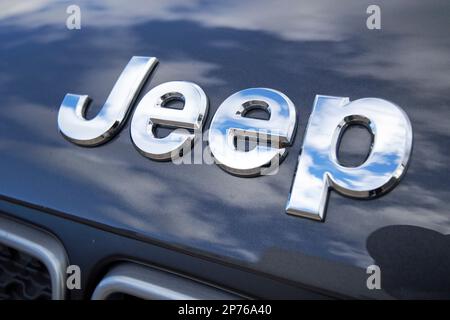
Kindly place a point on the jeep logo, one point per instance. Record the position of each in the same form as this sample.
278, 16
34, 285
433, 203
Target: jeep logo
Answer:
318, 168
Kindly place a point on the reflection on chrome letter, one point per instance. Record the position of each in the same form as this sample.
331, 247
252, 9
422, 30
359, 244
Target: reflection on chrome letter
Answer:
319, 169
270, 136
71, 117
151, 112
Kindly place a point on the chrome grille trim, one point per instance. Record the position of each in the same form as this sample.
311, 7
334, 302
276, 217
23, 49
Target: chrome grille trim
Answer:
154, 284
40, 245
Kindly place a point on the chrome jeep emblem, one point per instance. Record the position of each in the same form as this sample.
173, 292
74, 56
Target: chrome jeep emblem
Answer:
318, 168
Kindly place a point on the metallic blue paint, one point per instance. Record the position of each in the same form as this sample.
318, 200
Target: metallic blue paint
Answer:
297, 47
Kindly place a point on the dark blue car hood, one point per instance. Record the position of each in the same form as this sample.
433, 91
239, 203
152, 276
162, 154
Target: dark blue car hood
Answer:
297, 47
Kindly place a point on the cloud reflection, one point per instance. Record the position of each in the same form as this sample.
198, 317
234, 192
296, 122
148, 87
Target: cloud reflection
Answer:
301, 49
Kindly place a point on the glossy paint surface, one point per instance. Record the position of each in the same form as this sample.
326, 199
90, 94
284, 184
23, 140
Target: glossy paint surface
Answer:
296, 47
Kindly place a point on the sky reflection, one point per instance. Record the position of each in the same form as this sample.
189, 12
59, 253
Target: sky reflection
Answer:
307, 49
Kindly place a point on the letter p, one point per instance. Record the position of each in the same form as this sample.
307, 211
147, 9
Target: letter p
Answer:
319, 169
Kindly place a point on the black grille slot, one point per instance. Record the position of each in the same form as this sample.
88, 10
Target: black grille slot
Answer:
23, 277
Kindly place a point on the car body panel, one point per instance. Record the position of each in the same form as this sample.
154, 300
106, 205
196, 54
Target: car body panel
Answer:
299, 48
